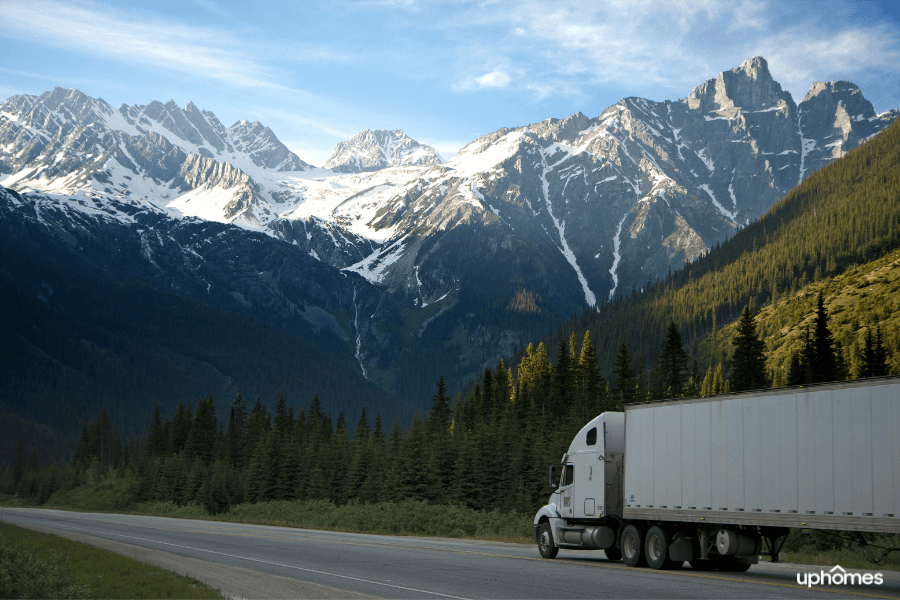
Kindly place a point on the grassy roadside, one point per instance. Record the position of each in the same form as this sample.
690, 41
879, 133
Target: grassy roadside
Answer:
41, 565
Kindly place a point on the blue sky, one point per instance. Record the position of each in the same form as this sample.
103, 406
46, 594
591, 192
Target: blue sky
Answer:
445, 72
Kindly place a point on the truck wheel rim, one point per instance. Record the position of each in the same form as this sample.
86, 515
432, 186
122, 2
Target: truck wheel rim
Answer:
545, 541
630, 546
653, 548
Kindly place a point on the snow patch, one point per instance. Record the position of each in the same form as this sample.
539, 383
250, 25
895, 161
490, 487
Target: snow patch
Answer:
617, 256
728, 214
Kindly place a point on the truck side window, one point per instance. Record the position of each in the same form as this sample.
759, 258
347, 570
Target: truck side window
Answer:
570, 475
592, 437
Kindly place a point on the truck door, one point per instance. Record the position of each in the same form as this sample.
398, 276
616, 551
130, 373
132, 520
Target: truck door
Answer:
567, 491
589, 486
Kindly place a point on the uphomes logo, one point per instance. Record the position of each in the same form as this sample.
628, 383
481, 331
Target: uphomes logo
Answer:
838, 575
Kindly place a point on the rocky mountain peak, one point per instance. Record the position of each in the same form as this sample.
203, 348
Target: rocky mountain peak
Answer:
374, 150
749, 87
832, 94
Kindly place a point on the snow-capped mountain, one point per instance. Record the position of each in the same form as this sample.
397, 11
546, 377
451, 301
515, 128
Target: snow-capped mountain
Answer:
617, 200
373, 150
522, 228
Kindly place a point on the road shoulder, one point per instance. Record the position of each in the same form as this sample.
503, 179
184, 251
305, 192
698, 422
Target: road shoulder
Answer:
232, 582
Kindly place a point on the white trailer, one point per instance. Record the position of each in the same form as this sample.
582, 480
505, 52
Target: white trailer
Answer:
708, 480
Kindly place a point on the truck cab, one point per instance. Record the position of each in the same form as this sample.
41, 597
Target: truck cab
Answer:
585, 508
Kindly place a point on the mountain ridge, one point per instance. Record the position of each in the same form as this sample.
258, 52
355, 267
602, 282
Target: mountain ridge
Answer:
565, 213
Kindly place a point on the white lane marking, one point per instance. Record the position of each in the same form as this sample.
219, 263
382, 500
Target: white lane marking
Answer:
259, 560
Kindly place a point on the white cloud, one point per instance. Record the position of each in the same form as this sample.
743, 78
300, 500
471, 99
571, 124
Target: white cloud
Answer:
494, 79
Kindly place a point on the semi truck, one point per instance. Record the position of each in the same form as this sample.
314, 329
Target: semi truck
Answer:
717, 481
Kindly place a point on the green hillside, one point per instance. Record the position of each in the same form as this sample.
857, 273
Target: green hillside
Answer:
862, 300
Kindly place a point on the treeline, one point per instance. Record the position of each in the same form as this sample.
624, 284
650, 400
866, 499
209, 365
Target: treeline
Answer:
488, 448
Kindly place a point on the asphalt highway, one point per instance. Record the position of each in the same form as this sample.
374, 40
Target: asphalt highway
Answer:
341, 564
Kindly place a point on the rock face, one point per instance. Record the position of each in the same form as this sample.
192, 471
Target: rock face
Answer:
522, 228
373, 150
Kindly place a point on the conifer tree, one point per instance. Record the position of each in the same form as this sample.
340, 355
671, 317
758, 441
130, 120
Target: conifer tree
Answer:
823, 366
625, 378
439, 415
748, 365
282, 423
202, 435
796, 374
362, 427
487, 396
674, 363
591, 383
235, 435
561, 382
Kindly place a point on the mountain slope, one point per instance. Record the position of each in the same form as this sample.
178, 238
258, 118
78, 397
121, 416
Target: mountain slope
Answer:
83, 331
844, 215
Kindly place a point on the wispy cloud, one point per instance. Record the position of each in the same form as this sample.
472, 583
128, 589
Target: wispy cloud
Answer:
136, 39
494, 79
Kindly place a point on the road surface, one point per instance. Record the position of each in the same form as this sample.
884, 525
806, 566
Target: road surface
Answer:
278, 562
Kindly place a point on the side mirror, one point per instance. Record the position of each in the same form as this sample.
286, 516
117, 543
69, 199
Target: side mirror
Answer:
554, 478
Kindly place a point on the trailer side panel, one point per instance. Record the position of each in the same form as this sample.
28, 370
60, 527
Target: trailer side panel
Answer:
821, 456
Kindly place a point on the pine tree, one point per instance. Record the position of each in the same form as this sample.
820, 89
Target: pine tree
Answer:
880, 355
282, 423
439, 415
561, 381
487, 395
235, 435
592, 386
796, 374
202, 436
748, 365
823, 366
624, 377
674, 363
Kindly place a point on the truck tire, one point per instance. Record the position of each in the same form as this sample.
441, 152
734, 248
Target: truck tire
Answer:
546, 546
656, 547
632, 547
613, 553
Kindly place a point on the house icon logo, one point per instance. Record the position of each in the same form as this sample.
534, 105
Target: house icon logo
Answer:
838, 575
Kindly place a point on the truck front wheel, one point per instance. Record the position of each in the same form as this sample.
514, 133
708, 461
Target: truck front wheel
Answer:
632, 547
546, 546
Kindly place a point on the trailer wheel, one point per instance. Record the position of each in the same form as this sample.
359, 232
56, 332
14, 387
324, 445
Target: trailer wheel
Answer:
613, 553
632, 547
656, 547
546, 546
